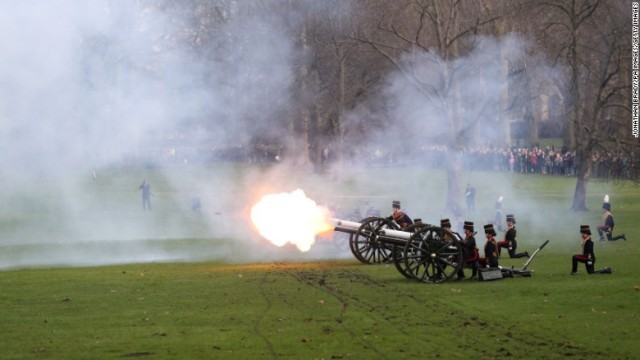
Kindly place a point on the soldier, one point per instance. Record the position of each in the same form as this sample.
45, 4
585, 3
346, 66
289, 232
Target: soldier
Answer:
510, 242
145, 187
498, 217
470, 251
588, 257
446, 224
470, 196
490, 258
399, 216
605, 228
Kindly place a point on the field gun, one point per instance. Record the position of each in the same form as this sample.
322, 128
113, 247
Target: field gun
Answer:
421, 251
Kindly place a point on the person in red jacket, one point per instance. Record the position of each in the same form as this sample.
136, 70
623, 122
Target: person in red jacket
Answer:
399, 216
470, 251
588, 257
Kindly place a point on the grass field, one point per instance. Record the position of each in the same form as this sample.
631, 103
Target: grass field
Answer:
87, 274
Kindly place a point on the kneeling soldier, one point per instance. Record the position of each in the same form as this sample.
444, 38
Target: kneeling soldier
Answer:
510, 239
588, 257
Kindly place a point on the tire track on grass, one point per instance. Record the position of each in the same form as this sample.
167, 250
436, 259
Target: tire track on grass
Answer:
311, 281
257, 324
436, 314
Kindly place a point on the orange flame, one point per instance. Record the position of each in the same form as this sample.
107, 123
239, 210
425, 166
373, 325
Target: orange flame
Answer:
290, 218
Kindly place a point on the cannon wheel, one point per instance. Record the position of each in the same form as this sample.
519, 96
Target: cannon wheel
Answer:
342, 240
398, 253
433, 254
365, 245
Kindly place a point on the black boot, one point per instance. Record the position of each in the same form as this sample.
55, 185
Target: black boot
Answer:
606, 270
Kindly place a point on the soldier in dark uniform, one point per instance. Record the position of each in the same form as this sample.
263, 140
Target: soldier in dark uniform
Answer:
470, 251
510, 242
588, 257
605, 228
470, 195
145, 187
446, 224
490, 258
399, 216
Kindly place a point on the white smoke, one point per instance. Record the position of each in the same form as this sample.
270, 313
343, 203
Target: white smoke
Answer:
494, 81
97, 86
102, 86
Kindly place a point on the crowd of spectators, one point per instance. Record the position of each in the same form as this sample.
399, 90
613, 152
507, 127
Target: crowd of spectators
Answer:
536, 160
515, 159
548, 160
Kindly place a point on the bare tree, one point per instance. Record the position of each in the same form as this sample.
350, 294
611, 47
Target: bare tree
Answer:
588, 36
443, 31
349, 74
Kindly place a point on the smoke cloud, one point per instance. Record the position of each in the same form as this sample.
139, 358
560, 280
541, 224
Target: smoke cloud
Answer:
492, 84
94, 87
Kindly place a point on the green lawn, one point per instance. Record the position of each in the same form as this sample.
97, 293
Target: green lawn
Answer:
87, 274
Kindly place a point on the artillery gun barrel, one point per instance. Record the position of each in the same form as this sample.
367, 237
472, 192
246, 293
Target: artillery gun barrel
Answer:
395, 234
346, 226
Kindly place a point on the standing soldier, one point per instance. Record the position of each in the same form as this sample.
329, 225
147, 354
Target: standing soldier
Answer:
469, 251
498, 217
470, 195
146, 195
446, 224
510, 242
588, 257
490, 258
399, 216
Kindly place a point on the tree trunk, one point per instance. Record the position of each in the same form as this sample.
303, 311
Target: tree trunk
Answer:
300, 153
532, 123
580, 195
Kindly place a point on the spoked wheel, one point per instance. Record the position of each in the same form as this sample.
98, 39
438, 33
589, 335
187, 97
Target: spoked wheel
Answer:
365, 245
433, 254
342, 240
398, 253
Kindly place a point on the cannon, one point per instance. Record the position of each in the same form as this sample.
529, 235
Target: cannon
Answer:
341, 239
421, 251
